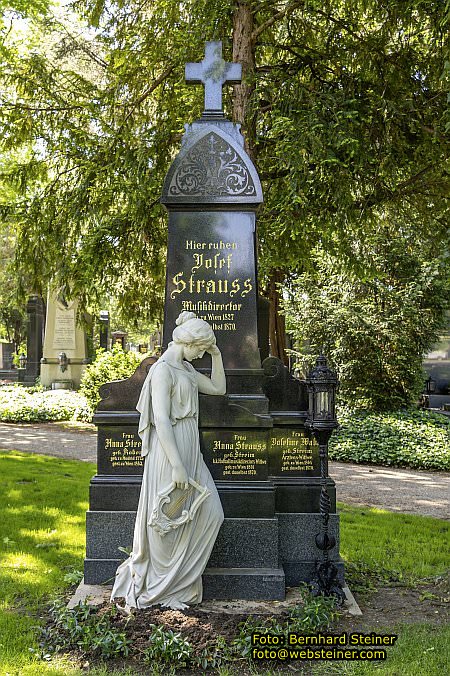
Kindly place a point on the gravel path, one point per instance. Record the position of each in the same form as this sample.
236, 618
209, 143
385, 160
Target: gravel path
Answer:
398, 490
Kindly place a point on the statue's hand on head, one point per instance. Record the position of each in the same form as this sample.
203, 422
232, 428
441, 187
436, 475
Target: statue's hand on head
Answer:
180, 477
213, 350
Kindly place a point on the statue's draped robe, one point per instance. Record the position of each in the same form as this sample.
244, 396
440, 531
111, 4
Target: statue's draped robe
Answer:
168, 569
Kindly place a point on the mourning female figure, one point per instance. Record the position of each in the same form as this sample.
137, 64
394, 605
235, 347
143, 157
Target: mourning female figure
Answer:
179, 512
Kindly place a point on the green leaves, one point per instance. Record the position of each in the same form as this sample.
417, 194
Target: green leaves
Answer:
374, 330
399, 438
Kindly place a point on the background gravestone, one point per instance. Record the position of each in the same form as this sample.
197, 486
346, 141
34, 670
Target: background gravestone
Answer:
253, 439
35, 337
63, 335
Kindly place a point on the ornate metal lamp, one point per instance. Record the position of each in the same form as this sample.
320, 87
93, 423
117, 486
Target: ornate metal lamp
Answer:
22, 361
322, 383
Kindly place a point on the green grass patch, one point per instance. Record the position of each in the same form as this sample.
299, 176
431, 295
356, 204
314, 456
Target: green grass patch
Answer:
42, 537
409, 438
419, 649
393, 546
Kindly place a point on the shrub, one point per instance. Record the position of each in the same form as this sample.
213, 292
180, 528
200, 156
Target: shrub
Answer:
409, 438
33, 404
108, 366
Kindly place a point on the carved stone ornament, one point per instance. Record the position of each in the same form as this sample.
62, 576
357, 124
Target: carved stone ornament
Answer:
169, 511
212, 168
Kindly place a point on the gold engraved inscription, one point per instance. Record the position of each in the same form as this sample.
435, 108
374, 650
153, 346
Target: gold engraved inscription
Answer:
218, 267
241, 455
295, 450
125, 451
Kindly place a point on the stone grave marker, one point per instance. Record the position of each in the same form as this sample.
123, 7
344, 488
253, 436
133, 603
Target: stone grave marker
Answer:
65, 351
35, 337
264, 463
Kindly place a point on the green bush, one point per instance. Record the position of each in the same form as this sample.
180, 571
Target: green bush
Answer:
32, 404
107, 366
409, 438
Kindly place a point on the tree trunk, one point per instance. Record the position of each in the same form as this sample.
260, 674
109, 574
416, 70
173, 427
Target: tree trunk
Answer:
277, 326
244, 53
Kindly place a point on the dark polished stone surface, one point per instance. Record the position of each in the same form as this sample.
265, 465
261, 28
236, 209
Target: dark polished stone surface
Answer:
211, 270
285, 393
254, 499
247, 499
123, 395
301, 494
246, 543
119, 450
235, 454
212, 170
35, 337
293, 452
240, 583
114, 493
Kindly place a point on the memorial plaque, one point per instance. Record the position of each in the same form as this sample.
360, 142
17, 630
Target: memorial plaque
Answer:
235, 455
65, 327
119, 450
211, 271
293, 453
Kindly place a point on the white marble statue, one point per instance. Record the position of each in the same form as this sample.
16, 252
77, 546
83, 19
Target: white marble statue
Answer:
179, 512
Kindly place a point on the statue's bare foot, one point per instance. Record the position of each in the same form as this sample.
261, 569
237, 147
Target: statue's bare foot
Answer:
125, 611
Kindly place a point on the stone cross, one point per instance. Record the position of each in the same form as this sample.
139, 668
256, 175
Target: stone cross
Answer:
213, 72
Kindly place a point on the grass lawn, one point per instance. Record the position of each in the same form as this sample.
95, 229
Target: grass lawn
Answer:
42, 538
43, 502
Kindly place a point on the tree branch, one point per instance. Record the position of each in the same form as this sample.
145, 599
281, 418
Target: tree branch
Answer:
273, 19
147, 92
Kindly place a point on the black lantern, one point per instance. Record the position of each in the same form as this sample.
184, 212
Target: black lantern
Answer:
63, 361
430, 385
22, 361
321, 384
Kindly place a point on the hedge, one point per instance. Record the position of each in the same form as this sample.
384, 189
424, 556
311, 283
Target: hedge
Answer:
27, 405
409, 438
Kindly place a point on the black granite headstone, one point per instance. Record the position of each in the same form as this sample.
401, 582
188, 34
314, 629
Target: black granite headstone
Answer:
104, 329
35, 337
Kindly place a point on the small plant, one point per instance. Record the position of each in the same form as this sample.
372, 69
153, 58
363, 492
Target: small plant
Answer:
73, 577
314, 613
83, 628
213, 656
242, 644
365, 578
167, 647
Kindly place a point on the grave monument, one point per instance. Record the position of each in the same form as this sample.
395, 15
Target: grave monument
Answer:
35, 337
264, 462
65, 351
